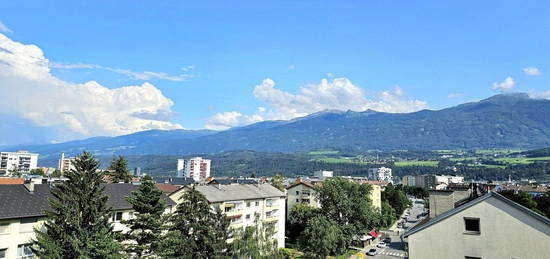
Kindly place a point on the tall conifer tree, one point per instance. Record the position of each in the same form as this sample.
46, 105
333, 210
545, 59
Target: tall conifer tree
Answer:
146, 226
119, 170
77, 225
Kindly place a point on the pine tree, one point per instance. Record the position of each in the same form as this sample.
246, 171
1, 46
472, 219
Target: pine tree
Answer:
77, 225
146, 227
196, 231
119, 170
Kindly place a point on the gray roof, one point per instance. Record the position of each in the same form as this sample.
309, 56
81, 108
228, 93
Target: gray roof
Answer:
234, 192
472, 203
232, 181
17, 202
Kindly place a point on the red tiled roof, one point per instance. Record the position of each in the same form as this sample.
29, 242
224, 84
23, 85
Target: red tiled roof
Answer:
167, 188
12, 181
374, 234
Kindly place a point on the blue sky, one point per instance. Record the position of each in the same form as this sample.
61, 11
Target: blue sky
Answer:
220, 64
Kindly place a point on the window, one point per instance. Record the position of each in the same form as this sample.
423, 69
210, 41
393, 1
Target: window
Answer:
247, 204
297, 200
4, 228
117, 216
27, 225
297, 192
247, 216
471, 226
24, 251
257, 203
471, 257
3, 253
131, 215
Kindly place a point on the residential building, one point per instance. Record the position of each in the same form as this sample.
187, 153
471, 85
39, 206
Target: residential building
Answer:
22, 210
23, 161
301, 192
428, 182
242, 203
304, 192
65, 163
533, 190
488, 227
447, 179
321, 174
197, 168
381, 174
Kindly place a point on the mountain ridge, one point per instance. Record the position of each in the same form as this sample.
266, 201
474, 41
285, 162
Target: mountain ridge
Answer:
500, 121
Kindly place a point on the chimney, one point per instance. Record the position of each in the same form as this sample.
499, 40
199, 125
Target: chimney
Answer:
30, 186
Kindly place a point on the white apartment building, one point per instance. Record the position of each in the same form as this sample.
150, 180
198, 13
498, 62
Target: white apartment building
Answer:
489, 227
447, 179
242, 203
65, 163
323, 174
22, 209
197, 168
381, 174
23, 161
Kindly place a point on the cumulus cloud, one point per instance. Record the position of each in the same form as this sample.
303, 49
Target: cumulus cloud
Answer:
532, 71
145, 75
505, 85
226, 120
338, 94
4, 28
33, 93
540, 95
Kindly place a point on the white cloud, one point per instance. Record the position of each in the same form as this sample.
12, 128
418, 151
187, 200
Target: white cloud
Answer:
89, 109
540, 95
146, 75
4, 28
338, 94
532, 71
291, 67
505, 85
226, 120
455, 95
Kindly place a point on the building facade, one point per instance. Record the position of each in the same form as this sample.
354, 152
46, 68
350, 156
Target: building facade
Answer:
65, 163
489, 227
246, 205
381, 174
197, 168
22, 161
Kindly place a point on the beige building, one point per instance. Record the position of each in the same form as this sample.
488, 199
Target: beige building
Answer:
489, 227
304, 192
65, 163
242, 203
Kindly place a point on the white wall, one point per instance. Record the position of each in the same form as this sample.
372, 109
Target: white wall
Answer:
505, 232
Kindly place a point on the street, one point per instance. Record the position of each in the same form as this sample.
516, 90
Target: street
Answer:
396, 249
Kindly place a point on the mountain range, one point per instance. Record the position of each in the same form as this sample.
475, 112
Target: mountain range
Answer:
501, 121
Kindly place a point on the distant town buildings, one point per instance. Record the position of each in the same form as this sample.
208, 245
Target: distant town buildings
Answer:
321, 174
197, 168
381, 174
65, 163
490, 226
431, 182
21, 161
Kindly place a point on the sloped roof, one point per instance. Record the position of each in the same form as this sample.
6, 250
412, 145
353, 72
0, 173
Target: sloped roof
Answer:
454, 211
219, 193
168, 188
232, 181
6, 180
17, 202
176, 180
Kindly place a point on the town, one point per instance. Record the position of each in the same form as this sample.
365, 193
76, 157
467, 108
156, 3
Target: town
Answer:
318, 215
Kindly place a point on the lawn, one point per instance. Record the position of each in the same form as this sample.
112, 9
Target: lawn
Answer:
341, 160
323, 152
416, 163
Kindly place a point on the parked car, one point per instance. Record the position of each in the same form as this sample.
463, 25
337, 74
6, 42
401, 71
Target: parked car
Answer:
387, 240
381, 245
372, 252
